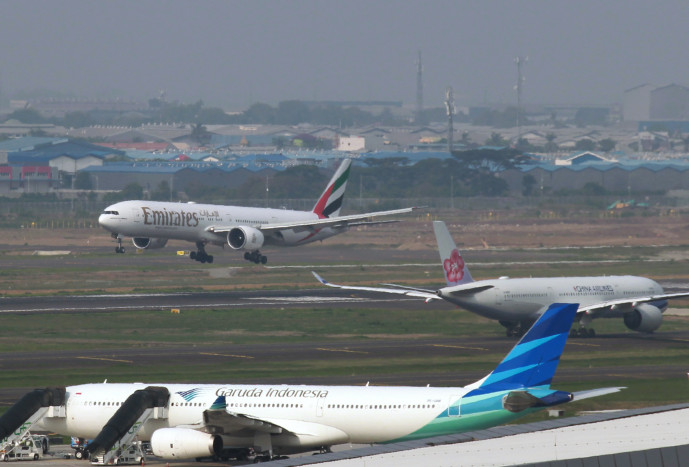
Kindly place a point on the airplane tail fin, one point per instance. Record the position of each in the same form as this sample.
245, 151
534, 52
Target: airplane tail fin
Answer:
454, 267
533, 361
330, 202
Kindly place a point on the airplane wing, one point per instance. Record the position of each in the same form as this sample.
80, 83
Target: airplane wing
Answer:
628, 301
340, 221
427, 295
237, 424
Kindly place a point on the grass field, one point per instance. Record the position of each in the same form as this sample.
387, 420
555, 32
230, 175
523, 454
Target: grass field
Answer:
392, 254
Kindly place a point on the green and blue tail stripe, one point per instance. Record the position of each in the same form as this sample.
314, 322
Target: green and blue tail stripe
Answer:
519, 385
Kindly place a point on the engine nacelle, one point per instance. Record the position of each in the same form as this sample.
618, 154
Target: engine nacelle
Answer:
143, 243
184, 443
245, 238
644, 318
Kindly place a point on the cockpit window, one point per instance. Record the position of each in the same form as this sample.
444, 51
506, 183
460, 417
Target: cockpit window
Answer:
114, 213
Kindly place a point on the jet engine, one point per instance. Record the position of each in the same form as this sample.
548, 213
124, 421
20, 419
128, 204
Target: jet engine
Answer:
644, 318
143, 243
245, 238
184, 443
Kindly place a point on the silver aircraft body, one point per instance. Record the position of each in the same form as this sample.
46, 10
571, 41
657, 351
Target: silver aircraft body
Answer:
152, 223
518, 302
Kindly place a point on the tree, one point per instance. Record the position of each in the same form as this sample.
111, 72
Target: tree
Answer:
83, 181
607, 144
528, 184
585, 145
551, 145
496, 139
162, 192
479, 169
200, 134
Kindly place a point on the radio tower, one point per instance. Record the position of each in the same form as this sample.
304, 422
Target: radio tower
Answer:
520, 61
450, 107
419, 90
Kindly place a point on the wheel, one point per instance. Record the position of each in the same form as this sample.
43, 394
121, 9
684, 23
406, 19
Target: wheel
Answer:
247, 256
192, 255
209, 259
592, 332
264, 260
573, 333
35, 457
78, 454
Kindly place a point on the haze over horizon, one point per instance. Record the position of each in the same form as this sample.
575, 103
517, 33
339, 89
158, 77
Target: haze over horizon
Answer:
233, 53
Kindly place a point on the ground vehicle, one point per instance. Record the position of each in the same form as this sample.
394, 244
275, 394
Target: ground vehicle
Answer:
79, 444
133, 454
26, 449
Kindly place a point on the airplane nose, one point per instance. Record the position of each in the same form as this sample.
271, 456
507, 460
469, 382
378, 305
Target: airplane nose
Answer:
105, 220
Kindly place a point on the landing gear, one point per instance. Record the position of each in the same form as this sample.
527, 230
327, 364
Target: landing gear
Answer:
582, 332
200, 255
514, 329
119, 248
256, 257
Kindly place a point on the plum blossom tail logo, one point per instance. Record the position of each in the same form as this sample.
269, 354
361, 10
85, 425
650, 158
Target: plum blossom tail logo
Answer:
454, 267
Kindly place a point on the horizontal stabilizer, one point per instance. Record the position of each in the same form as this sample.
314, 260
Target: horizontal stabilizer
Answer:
580, 395
518, 401
468, 289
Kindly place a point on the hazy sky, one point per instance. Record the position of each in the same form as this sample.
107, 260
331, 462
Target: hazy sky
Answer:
235, 53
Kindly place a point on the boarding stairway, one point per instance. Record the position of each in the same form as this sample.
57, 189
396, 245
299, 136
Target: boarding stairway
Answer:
31, 408
119, 432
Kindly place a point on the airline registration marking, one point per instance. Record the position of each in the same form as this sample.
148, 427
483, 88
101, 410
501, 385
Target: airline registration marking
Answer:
106, 359
340, 350
224, 355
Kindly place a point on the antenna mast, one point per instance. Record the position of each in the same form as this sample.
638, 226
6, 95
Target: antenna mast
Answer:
450, 108
419, 90
520, 61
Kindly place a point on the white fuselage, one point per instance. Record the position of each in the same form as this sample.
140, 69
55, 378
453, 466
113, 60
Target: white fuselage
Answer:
193, 222
526, 298
327, 414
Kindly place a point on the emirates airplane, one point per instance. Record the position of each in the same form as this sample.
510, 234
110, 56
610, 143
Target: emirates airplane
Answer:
517, 303
152, 223
228, 420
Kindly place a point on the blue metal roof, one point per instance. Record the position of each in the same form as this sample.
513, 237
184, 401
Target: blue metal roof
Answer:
27, 143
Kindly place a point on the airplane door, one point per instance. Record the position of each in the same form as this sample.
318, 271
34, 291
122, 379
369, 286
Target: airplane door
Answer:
135, 215
319, 407
453, 407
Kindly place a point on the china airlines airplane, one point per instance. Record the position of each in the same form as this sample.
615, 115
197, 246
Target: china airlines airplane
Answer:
195, 420
152, 223
517, 303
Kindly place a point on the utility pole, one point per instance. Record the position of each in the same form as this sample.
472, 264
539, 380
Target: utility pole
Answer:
450, 108
520, 61
419, 90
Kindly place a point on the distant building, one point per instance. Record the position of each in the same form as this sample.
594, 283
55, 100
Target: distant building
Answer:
652, 103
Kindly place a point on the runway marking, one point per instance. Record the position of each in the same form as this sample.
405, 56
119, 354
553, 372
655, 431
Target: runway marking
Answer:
340, 350
458, 347
224, 355
106, 359
581, 343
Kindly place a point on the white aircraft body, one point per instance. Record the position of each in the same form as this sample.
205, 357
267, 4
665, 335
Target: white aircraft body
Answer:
202, 419
516, 303
152, 223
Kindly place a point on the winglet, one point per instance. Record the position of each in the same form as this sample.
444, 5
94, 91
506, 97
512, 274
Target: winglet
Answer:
330, 202
533, 361
455, 269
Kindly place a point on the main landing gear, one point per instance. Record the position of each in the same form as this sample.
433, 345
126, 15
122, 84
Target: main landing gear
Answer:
201, 255
256, 257
582, 332
514, 329
119, 248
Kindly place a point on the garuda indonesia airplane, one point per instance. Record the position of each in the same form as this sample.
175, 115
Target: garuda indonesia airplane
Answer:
152, 223
197, 420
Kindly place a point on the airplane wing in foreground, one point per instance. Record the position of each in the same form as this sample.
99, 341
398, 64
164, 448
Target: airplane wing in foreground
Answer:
628, 302
340, 221
409, 292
